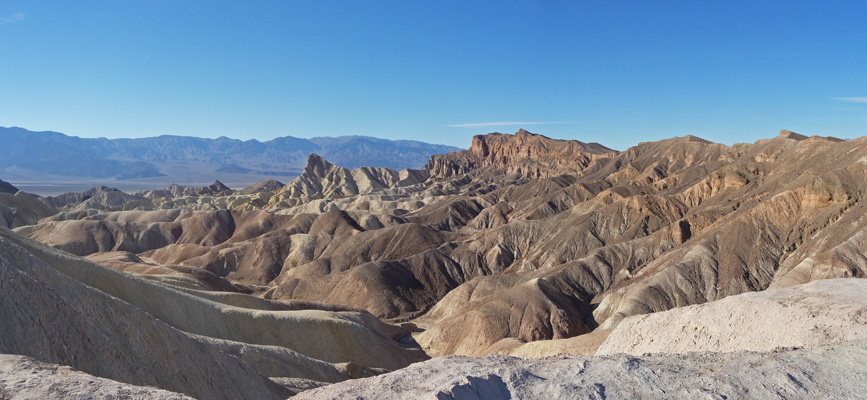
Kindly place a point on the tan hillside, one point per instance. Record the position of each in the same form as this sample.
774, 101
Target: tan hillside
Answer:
519, 239
124, 328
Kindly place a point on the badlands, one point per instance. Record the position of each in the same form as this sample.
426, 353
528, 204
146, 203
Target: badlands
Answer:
523, 267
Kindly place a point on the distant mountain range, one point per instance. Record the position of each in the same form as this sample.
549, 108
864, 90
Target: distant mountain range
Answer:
28, 154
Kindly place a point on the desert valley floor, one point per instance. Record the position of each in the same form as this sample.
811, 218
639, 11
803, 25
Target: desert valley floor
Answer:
523, 267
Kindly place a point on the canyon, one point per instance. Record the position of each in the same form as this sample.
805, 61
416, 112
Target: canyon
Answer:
521, 267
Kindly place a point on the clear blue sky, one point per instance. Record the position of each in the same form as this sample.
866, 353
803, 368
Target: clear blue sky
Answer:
613, 72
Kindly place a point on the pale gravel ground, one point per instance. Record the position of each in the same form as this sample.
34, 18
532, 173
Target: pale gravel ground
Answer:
836, 371
23, 378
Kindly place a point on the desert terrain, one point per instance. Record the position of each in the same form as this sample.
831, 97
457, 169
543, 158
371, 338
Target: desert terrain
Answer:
522, 267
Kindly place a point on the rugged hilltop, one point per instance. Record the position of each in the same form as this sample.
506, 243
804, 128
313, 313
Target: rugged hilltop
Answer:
520, 245
523, 153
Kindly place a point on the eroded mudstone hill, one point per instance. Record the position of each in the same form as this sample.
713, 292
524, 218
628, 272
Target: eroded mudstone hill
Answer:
61, 309
519, 239
19, 209
523, 245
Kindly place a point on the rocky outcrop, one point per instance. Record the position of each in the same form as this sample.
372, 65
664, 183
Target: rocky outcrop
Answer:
523, 153
25, 378
98, 198
6, 187
827, 372
175, 191
322, 180
810, 315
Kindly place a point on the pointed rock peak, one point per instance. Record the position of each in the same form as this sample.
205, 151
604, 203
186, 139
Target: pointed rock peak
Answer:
217, 187
523, 132
316, 159
6, 187
790, 135
316, 165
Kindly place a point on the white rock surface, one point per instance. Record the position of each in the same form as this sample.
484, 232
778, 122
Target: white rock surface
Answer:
808, 315
835, 371
23, 378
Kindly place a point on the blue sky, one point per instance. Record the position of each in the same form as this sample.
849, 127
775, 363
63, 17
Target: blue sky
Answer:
438, 71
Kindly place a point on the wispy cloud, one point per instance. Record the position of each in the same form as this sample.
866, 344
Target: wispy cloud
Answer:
479, 124
851, 99
12, 18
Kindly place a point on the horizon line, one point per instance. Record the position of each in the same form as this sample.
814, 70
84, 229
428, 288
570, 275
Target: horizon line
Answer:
509, 123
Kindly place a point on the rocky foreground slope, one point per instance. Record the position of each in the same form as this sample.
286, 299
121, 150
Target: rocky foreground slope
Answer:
64, 310
24, 378
813, 338
808, 315
831, 372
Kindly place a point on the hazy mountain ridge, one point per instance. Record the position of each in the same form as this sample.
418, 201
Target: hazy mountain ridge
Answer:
53, 153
